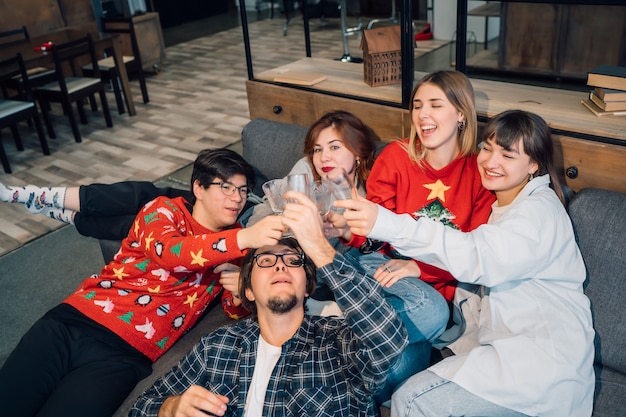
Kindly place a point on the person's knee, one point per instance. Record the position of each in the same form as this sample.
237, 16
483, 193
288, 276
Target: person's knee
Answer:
415, 358
423, 310
408, 399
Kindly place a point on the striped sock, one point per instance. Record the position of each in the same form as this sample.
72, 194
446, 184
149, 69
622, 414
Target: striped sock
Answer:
34, 198
61, 214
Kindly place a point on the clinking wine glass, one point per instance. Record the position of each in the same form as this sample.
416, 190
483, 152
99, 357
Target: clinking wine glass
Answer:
340, 185
323, 197
299, 182
274, 190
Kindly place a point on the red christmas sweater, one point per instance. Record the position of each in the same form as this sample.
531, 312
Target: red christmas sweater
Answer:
161, 280
453, 195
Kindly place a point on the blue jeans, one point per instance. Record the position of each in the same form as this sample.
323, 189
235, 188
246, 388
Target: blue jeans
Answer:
427, 394
422, 309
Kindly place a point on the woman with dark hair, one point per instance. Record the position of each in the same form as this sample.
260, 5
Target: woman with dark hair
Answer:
527, 344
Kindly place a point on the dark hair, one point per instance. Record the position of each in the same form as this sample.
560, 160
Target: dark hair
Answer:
511, 126
356, 136
220, 163
459, 91
248, 264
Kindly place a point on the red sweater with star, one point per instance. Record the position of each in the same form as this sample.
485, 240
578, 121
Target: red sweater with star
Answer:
161, 280
453, 195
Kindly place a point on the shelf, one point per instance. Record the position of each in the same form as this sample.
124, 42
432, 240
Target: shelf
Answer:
343, 78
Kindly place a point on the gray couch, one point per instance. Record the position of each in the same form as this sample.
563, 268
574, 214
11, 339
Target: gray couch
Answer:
600, 222
598, 217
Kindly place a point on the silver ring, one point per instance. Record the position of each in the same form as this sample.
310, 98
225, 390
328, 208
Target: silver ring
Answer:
387, 269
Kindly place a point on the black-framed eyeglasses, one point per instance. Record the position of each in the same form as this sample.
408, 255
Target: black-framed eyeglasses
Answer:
228, 188
268, 260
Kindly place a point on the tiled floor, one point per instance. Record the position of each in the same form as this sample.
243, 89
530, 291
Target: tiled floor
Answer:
197, 101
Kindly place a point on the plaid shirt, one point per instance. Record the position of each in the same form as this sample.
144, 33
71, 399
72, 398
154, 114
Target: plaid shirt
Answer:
330, 367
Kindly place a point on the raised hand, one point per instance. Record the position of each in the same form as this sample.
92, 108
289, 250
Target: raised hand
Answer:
335, 226
302, 216
360, 214
266, 231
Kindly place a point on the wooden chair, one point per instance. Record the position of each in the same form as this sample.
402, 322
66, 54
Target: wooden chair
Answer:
14, 111
69, 89
38, 75
108, 70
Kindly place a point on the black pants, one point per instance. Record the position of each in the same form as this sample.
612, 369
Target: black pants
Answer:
107, 211
68, 365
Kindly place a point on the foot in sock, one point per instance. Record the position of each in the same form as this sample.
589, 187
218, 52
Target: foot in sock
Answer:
34, 198
61, 214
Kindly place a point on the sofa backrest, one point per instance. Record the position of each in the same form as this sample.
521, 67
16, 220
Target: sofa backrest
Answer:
272, 148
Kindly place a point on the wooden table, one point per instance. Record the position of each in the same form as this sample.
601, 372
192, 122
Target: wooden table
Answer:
101, 42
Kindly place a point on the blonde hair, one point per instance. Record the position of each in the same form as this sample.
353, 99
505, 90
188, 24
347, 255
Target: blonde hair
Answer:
459, 91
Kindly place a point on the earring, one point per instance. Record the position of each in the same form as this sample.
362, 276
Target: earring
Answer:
461, 124
532, 176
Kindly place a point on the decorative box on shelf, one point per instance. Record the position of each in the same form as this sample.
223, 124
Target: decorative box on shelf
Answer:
382, 56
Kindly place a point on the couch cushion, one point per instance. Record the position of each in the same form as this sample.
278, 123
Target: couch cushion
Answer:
272, 148
600, 225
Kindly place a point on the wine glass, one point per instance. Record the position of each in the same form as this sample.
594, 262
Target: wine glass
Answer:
340, 185
299, 182
274, 190
323, 197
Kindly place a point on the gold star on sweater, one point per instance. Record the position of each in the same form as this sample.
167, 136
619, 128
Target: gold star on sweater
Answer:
437, 190
198, 259
191, 299
149, 240
119, 273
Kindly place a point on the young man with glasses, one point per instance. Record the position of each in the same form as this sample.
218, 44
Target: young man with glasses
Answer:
101, 211
281, 361
87, 354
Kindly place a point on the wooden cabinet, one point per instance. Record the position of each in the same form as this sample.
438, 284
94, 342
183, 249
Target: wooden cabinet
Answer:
279, 103
303, 106
590, 151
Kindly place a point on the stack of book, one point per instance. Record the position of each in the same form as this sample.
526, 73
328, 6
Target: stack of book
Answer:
608, 97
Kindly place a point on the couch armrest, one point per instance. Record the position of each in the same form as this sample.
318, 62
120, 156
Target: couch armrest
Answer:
600, 226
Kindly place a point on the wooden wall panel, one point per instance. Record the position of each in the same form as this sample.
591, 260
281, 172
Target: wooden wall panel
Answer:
589, 42
39, 16
77, 12
531, 32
